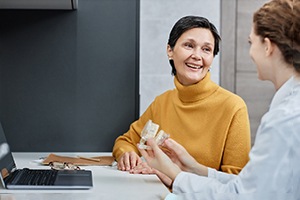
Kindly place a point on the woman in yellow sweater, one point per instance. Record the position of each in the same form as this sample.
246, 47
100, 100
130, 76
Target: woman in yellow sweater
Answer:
209, 121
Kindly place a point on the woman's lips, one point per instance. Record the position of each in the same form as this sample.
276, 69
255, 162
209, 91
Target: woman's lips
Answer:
194, 66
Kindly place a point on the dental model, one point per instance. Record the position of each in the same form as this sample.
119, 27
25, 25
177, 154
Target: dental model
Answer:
149, 131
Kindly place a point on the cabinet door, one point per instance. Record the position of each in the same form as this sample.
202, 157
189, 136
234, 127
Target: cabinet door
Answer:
69, 79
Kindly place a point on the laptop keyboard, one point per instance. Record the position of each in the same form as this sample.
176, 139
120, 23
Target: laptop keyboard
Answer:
32, 177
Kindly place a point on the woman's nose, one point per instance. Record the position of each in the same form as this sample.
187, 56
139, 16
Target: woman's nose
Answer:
197, 54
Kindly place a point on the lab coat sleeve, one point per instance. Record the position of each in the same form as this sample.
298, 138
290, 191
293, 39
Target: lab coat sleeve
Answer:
268, 172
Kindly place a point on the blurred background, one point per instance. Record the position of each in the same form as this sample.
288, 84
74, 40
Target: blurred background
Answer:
73, 77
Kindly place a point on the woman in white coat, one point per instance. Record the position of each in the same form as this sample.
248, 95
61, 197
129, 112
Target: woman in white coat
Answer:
273, 171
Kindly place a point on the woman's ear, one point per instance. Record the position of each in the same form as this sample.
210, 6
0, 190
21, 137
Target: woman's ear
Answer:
170, 52
269, 46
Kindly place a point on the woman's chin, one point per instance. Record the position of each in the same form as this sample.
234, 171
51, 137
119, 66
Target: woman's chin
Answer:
190, 78
193, 80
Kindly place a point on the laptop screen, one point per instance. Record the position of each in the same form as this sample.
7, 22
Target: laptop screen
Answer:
7, 163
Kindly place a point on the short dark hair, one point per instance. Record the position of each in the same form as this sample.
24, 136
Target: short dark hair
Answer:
186, 23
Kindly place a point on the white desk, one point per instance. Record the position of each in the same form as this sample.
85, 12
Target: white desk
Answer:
109, 183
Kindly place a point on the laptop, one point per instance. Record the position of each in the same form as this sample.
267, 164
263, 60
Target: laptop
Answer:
13, 178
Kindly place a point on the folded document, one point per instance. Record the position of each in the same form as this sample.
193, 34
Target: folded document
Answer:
98, 160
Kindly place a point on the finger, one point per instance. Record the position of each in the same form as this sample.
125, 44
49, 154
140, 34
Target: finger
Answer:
126, 162
133, 157
166, 150
143, 168
173, 145
138, 160
136, 170
147, 170
153, 145
143, 153
121, 165
168, 153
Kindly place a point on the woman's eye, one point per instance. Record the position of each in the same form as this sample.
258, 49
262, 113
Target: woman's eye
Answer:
188, 45
207, 49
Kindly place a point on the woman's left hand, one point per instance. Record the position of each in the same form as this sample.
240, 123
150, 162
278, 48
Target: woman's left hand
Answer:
142, 168
157, 159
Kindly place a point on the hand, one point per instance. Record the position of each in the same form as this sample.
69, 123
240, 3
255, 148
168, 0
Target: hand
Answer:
157, 159
142, 168
179, 155
128, 161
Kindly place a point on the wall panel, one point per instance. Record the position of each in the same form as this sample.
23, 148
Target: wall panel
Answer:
69, 79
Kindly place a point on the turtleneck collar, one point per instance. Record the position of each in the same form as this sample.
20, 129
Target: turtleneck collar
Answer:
197, 91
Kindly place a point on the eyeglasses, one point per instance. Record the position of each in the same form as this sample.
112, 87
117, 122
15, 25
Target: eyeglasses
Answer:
63, 166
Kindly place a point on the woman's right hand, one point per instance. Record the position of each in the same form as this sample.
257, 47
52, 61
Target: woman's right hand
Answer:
179, 155
128, 161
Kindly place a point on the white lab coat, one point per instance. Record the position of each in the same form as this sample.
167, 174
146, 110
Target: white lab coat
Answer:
273, 171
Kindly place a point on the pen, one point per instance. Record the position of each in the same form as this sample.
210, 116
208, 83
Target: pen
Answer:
90, 159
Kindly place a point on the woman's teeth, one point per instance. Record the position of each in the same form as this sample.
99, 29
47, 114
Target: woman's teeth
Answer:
195, 66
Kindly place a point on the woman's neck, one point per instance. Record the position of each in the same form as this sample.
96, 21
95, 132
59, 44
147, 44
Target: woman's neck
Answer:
284, 74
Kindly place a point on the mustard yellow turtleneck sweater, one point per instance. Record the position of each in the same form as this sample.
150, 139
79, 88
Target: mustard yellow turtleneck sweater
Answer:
209, 121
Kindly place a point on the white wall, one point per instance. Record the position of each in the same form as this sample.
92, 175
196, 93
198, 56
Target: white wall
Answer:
157, 17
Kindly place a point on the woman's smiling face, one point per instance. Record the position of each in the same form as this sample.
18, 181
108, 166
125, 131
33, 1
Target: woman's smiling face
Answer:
192, 55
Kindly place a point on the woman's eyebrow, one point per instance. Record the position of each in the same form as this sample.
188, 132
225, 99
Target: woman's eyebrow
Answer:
205, 43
